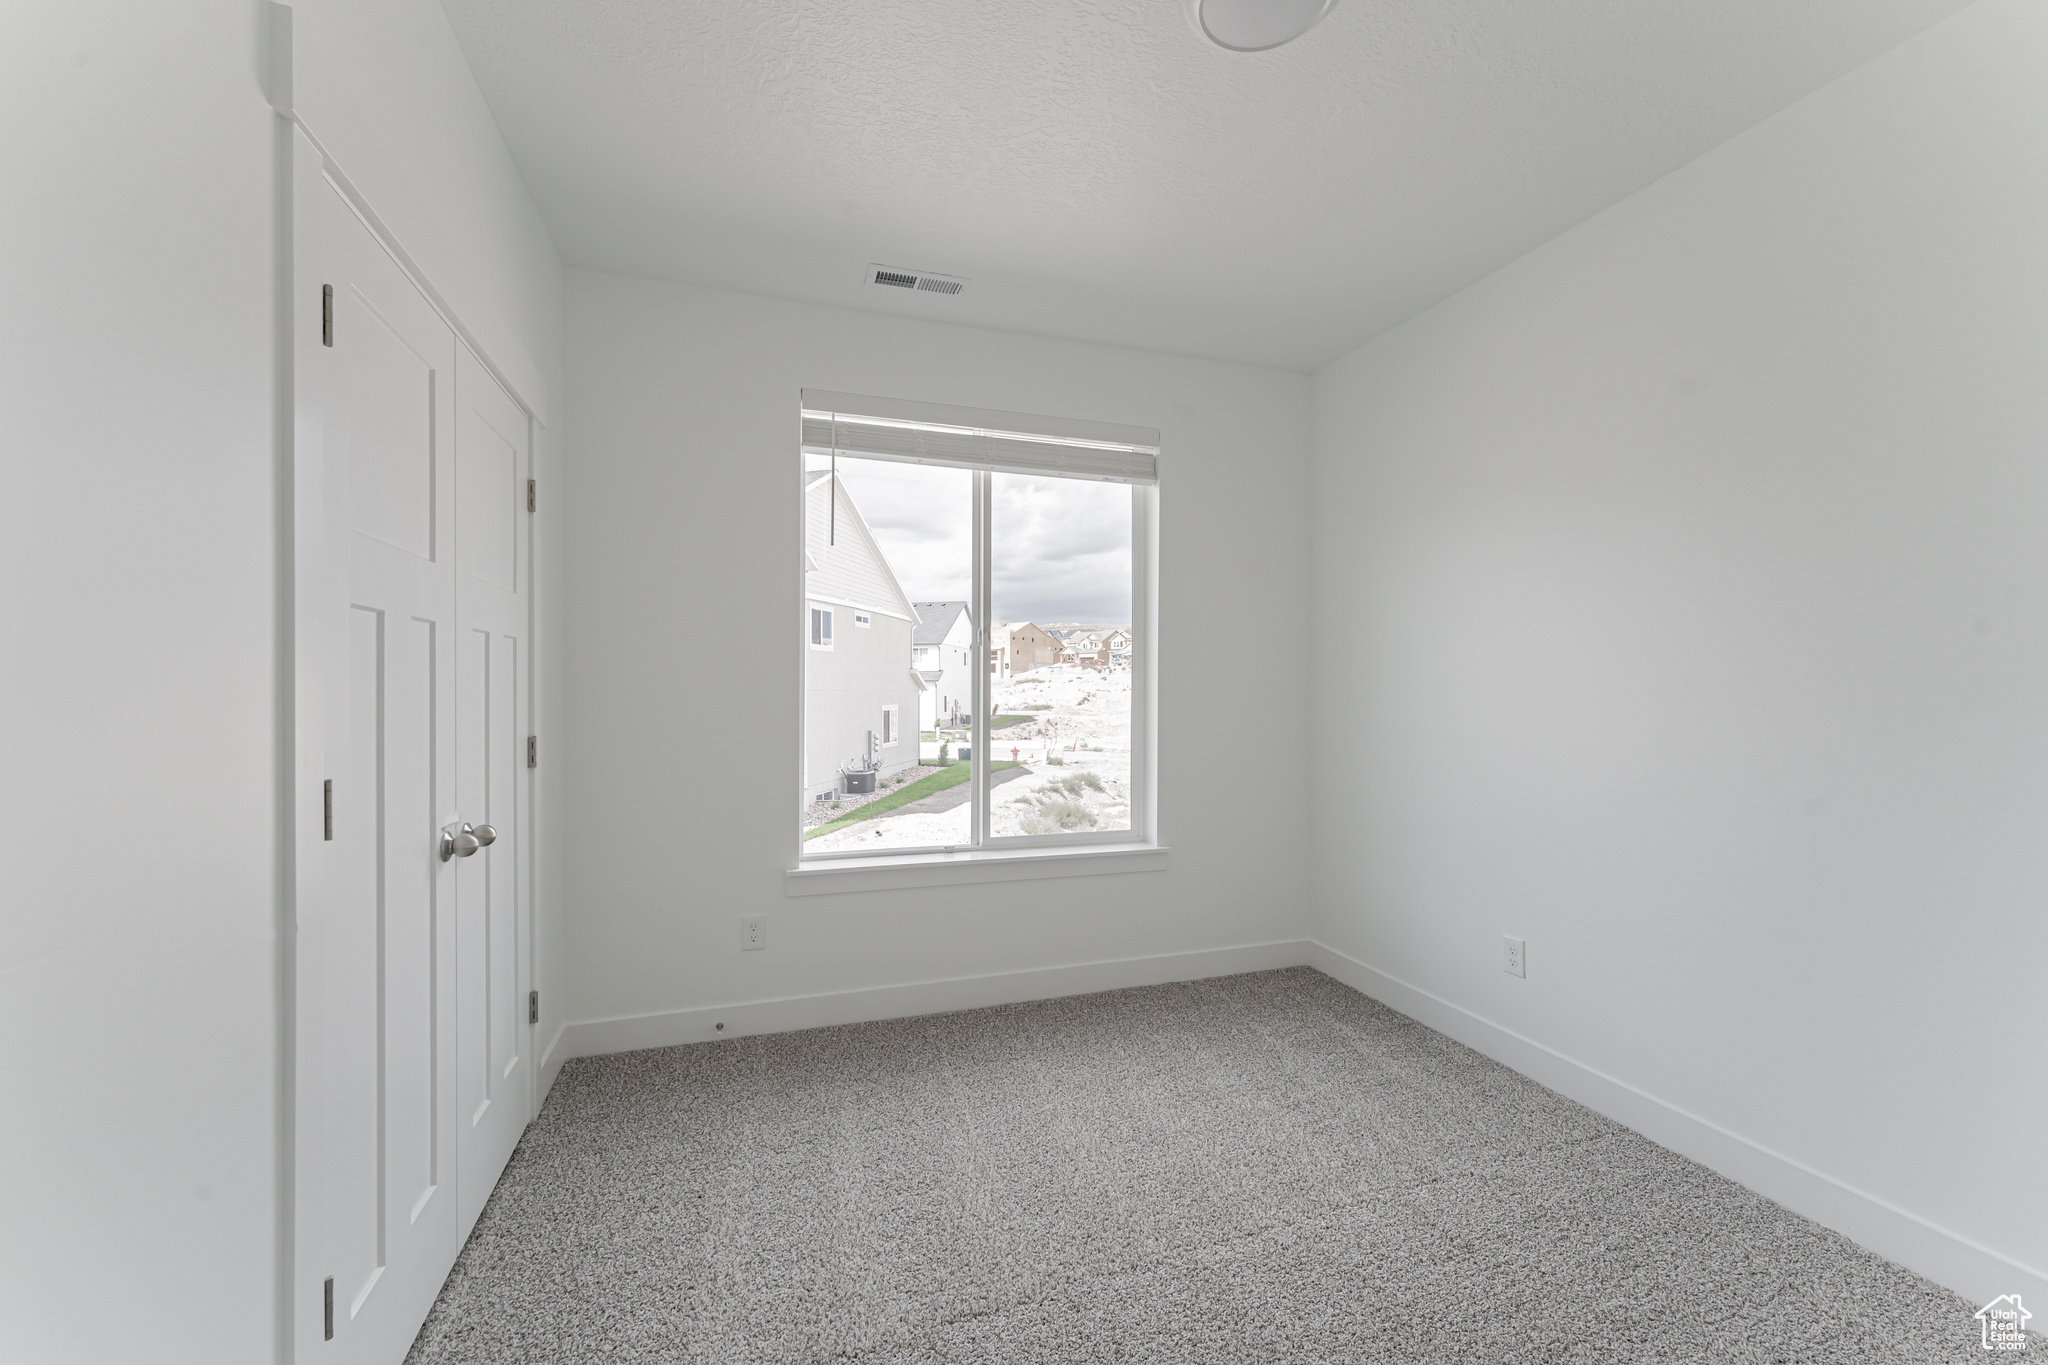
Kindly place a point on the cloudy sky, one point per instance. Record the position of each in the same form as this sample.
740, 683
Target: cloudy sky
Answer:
1062, 547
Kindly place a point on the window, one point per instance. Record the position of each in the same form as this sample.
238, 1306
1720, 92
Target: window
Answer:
952, 535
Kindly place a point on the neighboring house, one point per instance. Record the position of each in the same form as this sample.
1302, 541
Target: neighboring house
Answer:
860, 692
1018, 647
1096, 648
942, 650
1086, 647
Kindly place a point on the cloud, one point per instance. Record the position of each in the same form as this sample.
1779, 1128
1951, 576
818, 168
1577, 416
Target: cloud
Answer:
1061, 548
923, 518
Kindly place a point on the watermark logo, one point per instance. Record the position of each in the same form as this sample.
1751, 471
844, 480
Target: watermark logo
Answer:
2005, 1323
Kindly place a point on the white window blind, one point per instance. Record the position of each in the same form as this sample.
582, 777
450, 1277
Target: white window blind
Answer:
971, 438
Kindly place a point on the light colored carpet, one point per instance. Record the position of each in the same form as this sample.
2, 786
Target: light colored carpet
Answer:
1254, 1168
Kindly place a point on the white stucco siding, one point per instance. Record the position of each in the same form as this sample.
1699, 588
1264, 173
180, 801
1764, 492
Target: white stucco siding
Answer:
846, 689
953, 691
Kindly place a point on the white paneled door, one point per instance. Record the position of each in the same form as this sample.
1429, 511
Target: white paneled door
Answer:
491, 530
410, 541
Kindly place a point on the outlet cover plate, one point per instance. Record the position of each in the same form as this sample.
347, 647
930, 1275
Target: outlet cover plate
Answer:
753, 933
1514, 956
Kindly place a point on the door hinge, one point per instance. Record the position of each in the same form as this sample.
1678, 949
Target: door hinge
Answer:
533, 1007
326, 315
327, 809
532, 495
327, 1307
533, 751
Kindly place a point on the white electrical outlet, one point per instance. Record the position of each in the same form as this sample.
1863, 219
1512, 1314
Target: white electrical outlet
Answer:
1514, 957
753, 932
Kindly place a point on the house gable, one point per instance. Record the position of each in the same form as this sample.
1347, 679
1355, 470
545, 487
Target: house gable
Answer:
942, 623
843, 563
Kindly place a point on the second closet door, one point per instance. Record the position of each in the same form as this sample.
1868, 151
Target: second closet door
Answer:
493, 1071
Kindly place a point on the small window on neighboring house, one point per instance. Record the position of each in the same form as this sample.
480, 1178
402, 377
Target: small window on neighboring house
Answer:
860, 618
888, 725
821, 628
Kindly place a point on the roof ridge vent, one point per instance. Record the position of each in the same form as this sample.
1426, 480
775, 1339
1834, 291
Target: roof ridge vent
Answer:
920, 281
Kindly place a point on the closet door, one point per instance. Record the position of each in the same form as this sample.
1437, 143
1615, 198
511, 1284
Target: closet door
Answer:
494, 1073
377, 1214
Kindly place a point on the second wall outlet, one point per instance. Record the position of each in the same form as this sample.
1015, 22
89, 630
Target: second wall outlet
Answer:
1514, 957
753, 932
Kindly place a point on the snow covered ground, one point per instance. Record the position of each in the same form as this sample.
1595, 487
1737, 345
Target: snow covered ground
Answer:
1076, 748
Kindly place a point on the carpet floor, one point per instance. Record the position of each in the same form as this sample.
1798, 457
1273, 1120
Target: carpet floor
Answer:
1268, 1168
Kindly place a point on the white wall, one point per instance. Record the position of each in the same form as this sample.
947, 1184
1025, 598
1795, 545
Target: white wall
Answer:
450, 191
682, 598
1682, 590
139, 684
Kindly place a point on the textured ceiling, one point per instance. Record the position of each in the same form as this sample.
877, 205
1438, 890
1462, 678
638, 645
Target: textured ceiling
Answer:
1098, 171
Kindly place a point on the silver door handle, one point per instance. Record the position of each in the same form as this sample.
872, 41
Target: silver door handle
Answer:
485, 835
458, 842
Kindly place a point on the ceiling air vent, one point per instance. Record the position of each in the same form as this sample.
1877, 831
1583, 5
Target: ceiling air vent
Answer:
921, 280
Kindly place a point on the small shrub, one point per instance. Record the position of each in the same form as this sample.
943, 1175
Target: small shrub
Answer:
1072, 785
1054, 761
1055, 817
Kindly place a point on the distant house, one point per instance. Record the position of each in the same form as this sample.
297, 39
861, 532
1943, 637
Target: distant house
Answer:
860, 691
941, 650
1085, 647
1096, 648
1018, 647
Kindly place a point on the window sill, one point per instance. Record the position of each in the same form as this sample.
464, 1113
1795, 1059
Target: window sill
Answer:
829, 876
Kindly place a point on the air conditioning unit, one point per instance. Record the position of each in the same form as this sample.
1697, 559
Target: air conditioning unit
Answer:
918, 281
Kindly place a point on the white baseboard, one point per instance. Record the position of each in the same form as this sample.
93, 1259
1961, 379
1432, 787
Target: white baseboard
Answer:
593, 1037
1976, 1272
551, 1058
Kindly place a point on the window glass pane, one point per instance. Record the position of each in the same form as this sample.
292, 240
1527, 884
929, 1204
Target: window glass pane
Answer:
892, 552
1060, 656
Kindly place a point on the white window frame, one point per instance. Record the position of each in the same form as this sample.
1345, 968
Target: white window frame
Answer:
892, 726
860, 618
987, 858
812, 634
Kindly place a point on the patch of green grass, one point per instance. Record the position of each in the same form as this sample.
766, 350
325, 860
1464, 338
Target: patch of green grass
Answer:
953, 775
1036, 706
1000, 721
